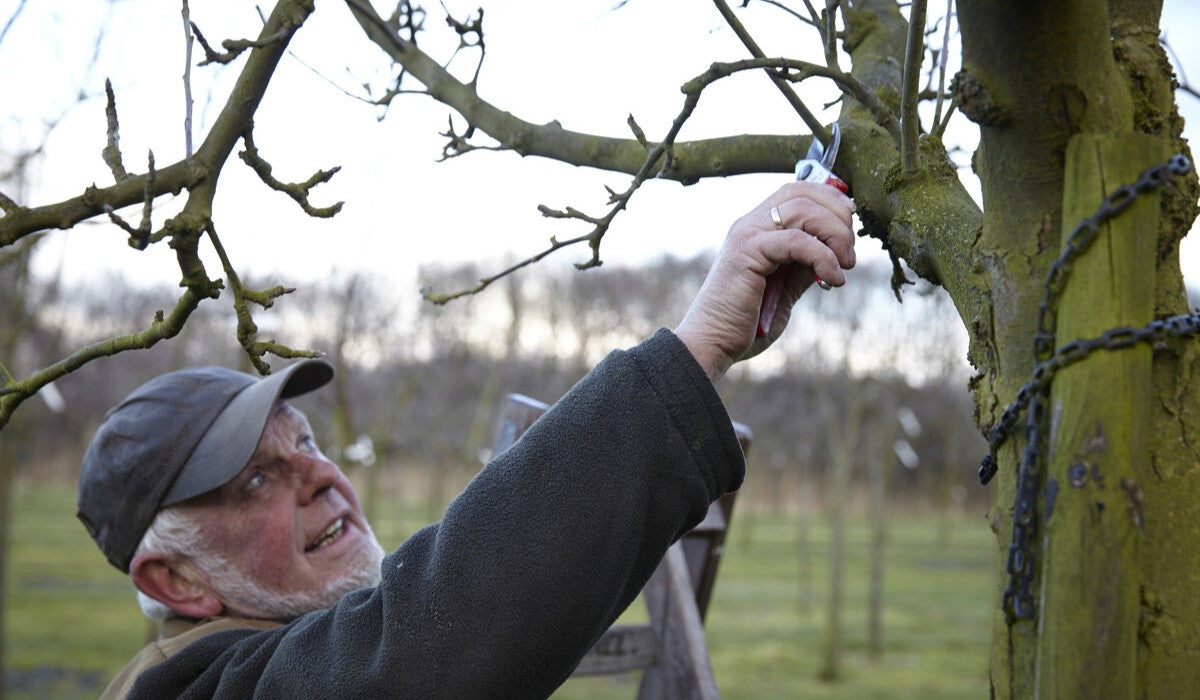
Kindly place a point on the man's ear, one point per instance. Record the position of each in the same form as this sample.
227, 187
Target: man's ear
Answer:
161, 578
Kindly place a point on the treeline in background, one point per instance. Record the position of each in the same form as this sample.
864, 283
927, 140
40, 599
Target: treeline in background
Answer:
858, 374
863, 459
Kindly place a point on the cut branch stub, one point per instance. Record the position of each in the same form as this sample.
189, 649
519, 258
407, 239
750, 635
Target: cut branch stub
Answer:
978, 101
112, 150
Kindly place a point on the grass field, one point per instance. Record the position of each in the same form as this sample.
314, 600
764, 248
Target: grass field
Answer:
72, 620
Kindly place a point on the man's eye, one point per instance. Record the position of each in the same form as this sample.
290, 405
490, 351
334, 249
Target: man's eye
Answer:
308, 443
257, 479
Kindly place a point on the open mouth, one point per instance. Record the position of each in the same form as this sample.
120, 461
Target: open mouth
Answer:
331, 534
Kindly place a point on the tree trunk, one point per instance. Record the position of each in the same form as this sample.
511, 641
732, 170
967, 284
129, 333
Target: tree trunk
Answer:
877, 483
842, 455
1035, 76
804, 517
831, 648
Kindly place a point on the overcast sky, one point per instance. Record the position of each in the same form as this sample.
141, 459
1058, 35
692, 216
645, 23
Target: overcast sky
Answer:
578, 62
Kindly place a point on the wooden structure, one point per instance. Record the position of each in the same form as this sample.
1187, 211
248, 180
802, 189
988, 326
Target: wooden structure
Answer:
671, 649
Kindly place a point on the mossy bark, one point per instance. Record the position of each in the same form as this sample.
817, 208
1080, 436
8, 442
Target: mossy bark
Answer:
1117, 602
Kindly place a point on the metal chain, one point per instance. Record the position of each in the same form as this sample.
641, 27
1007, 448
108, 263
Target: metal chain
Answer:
1155, 332
1034, 395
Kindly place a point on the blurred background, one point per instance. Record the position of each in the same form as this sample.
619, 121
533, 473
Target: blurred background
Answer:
859, 563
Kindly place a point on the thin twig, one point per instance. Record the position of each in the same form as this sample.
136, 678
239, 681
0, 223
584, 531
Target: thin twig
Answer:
831, 8
8, 25
814, 125
940, 128
187, 78
937, 112
812, 21
692, 91
910, 126
234, 47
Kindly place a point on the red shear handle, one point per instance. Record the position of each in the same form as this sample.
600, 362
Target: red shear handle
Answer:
770, 300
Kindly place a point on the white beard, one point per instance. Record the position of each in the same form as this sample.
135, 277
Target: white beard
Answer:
245, 597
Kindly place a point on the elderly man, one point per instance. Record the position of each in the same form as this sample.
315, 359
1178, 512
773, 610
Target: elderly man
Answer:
209, 490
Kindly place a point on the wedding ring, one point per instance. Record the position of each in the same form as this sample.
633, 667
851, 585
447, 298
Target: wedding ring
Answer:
776, 217
823, 284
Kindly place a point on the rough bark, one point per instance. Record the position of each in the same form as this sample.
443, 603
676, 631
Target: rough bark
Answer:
1040, 74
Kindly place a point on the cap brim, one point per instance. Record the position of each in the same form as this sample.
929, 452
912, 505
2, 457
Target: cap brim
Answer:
231, 440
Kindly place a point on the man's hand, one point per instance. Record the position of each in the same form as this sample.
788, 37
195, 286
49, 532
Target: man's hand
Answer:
719, 328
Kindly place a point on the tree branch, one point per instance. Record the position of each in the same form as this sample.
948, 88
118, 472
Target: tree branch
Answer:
235, 47
815, 126
941, 90
296, 190
197, 174
139, 237
910, 122
692, 160
14, 393
247, 329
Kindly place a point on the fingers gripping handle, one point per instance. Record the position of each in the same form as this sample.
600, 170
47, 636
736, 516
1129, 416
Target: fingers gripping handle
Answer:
807, 171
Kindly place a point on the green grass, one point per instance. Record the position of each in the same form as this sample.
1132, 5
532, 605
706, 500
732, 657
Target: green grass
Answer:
72, 620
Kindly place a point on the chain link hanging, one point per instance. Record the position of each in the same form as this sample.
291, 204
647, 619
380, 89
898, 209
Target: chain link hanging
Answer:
1033, 396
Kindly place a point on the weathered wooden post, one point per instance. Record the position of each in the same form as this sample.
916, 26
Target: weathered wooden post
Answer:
1090, 597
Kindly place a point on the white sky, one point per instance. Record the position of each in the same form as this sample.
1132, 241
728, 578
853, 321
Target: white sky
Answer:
577, 62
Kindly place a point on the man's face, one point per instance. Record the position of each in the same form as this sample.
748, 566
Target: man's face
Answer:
286, 535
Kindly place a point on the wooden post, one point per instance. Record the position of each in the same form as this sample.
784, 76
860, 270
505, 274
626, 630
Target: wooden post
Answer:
1090, 592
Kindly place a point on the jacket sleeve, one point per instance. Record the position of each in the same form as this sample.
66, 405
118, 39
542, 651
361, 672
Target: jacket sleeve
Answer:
530, 564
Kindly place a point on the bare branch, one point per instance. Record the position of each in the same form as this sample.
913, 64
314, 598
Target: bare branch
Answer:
16, 392
620, 200
909, 121
112, 151
940, 127
555, 244
830, 34
184, 174
247, 329
197, 174
235, 47
296, 190
464, 31
814, 124
11, 20
139, 237
187, 78
941, 89
811, 20
692, 161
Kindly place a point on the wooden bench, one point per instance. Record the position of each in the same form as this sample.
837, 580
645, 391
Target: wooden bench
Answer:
671, 649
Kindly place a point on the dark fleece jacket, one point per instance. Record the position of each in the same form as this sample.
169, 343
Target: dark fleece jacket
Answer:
530, 564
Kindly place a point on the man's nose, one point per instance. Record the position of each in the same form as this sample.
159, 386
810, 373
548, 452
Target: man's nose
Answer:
315, 475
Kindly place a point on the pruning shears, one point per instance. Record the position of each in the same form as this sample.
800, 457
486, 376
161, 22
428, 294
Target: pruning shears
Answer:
816, 166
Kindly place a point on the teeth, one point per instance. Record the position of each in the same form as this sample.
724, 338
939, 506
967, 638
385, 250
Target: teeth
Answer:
331, 533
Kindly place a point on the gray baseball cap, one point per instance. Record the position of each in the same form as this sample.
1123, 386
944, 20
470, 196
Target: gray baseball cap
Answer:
179, 435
